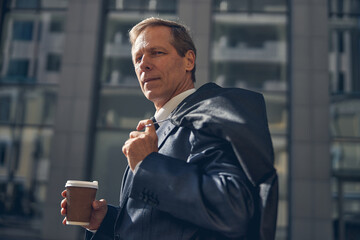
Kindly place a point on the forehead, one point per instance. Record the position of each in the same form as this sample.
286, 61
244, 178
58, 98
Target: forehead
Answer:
151, 37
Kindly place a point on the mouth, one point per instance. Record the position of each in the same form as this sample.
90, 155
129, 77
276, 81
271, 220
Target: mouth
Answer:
146, 80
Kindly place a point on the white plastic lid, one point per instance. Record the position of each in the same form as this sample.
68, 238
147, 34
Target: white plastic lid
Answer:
75, 183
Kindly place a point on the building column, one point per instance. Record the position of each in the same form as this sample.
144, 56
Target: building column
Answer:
200, 26
74, 113
310, 168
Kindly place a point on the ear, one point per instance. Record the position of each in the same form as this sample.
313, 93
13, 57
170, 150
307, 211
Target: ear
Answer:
189, 60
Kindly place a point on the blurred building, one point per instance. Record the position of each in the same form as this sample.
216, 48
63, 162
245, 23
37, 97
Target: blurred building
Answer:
69, 97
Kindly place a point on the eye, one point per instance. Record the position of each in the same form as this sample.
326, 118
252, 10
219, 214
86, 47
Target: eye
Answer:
138, 59
156, 53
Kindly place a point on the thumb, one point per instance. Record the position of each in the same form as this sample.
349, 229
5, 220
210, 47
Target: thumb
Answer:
97, 205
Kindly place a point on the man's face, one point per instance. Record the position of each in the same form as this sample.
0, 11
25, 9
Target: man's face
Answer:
161, 72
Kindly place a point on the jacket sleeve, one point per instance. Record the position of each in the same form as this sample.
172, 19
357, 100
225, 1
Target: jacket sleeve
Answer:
209, 189
106, 230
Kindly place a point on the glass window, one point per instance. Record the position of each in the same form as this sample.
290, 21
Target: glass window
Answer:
249, 50
144, 5
281, 165
344, 54
352, 196
24, 154
31, 47
34, 4
5, 107
108, 153
53, 62
2, 153
116, 72
345, 155
250, 6
54, 3
22, 30
344, 61
341, 7
223, 5
117, 65
30, 59
269, 5
26, 3
18, 70
9, 98
39, 106
114, 110
28, 105
277, 112
57, 24
163, 5
345, 116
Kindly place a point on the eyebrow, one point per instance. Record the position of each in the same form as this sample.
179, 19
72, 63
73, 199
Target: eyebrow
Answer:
157, 48
151, 49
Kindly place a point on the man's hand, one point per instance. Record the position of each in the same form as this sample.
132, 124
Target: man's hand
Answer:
97, 216
140, 144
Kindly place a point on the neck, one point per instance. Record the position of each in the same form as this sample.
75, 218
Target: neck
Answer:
159, 106
186, 86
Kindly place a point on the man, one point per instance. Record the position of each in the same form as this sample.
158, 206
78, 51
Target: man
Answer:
207, 171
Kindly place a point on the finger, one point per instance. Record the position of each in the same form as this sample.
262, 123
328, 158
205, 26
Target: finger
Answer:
125, 147
142, 123
64, 221
150, 128
63, 211
124, 150
63, 193
135, 134
63, 203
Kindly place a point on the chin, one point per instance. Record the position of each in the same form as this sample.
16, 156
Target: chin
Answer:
151, 96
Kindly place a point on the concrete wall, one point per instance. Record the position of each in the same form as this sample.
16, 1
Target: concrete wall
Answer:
69, 159
197, 16
310, 195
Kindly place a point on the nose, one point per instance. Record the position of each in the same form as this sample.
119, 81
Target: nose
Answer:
145, 64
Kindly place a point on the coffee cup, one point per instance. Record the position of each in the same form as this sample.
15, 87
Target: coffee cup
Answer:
79, 196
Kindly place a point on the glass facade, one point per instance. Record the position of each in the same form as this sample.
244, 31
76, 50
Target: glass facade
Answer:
249, 50
32, 36
344, 59
32, 45
143, 6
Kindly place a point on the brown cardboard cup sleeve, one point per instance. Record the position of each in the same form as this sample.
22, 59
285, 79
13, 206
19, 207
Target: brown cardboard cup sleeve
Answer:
80, 196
